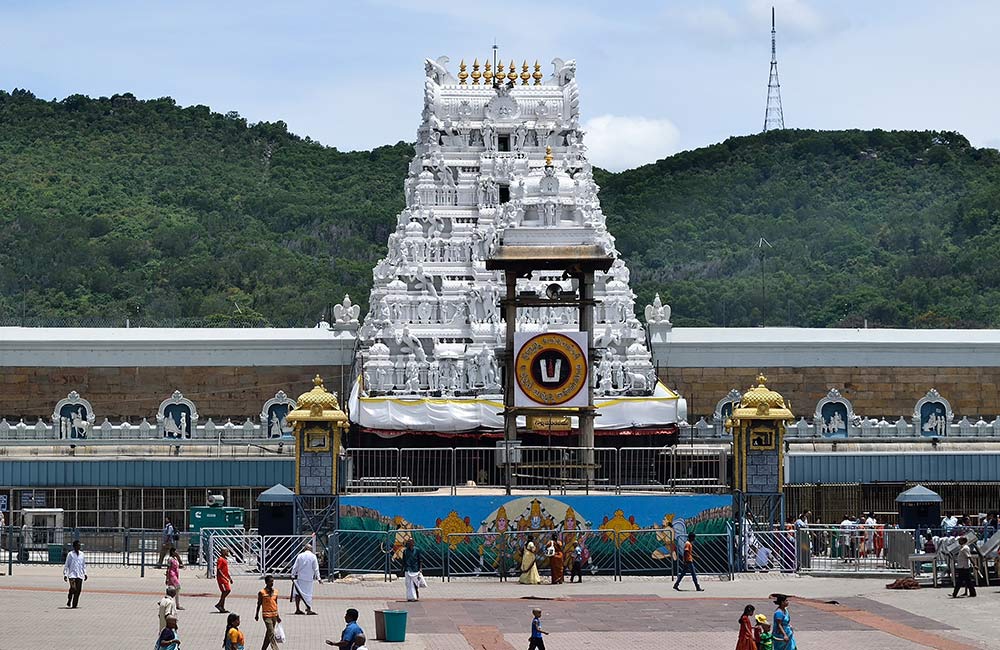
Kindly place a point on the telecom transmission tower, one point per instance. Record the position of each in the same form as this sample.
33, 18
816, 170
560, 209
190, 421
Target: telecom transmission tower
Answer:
773, 117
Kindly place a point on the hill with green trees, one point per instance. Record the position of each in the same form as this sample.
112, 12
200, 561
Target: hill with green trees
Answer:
114, 207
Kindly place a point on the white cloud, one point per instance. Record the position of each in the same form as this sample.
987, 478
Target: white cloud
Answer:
616, 142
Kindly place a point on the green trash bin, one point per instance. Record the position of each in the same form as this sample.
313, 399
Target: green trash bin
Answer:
395, 625
56, 554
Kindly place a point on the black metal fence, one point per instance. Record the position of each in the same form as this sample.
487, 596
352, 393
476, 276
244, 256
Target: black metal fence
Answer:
606, 552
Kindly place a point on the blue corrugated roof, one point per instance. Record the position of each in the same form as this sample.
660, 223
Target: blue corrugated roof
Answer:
147, 473
892, 467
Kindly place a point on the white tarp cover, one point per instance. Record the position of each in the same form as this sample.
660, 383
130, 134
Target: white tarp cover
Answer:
454, 414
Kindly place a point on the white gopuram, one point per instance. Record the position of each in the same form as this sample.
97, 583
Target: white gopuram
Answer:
499, 156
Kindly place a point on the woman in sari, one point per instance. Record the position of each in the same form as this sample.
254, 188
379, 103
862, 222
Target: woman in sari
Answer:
529, 568
556, 560
784, 637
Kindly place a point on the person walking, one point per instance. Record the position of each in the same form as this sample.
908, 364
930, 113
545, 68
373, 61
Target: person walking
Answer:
304, 572
167, 537
223, 579
412, 567
556, 565
74, 572
352, 632
529, 566
784, 637
535, 641
168, 639
765, 639
747, 639
963, 570
234, 639
174, 566
689, 564
267, 604
577, 569
167, 607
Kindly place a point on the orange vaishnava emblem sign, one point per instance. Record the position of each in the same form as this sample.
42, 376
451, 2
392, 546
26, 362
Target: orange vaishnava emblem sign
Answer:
550, 369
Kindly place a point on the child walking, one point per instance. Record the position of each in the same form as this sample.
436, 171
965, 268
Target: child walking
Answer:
234, 639
747, 639
765, 638
535, 642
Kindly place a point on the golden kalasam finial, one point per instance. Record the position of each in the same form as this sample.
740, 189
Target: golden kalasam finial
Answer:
318, 381
500, 73
537, 75
488, 74
761, 379
475, 72
512, 75
548, 156
525, 75
462, 74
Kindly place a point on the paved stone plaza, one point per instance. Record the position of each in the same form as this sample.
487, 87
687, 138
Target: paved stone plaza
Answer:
118, 611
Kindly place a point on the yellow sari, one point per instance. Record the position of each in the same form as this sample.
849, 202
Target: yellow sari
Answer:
529, 569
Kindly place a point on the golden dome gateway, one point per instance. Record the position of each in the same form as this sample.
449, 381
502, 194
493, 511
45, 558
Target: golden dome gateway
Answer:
318, 405
762, 403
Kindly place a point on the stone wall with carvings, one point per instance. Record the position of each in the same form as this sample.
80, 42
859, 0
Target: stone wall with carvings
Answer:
874, 391
220, 392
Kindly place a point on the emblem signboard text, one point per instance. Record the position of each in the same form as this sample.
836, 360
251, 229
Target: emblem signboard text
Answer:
550, 369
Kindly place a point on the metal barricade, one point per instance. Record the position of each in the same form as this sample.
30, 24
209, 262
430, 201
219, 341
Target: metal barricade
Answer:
361, 551
426, 468
645, 552
278, 552
244, 550
714, 553
764, 551
373, 470
475, 554
427, 540
641, 467
558, 468
856, 548
481, 466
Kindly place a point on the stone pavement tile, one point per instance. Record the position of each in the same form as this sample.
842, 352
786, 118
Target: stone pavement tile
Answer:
896, 614
976, 618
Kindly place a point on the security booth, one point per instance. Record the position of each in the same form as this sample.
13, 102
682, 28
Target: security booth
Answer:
42, 530
919, 508
276, 511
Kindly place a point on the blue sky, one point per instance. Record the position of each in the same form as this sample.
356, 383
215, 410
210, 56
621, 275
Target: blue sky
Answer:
655, 77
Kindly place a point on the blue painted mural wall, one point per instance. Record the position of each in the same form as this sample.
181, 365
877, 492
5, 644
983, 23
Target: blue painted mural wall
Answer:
484, 513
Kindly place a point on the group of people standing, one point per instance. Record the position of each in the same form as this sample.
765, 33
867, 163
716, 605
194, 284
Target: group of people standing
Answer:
757, 633
554, 552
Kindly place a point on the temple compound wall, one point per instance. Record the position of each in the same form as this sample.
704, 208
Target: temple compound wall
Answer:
882, 372
875, 391
125, 374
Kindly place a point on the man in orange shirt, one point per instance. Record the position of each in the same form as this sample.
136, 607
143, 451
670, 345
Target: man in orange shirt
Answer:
688, 564
267, 600
224, 580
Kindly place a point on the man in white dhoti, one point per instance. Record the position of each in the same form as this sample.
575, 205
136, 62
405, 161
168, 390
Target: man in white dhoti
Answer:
412, 566
304, 572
